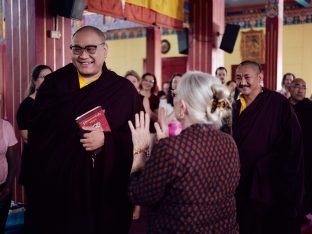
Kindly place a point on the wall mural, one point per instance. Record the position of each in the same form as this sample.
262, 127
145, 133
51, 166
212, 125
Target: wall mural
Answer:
253, 46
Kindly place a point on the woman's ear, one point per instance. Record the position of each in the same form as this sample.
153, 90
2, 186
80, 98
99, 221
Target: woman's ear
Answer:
183, 107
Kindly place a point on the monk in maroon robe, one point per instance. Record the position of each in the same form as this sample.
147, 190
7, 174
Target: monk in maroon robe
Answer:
269, 141
66, 193
303, 109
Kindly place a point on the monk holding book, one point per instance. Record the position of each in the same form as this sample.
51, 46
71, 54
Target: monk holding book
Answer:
82, 196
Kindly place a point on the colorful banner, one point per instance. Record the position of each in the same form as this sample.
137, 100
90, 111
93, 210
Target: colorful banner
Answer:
172, 8
106, 7
161, 12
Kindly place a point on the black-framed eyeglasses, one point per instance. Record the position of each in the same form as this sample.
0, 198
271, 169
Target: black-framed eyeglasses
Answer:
90, 49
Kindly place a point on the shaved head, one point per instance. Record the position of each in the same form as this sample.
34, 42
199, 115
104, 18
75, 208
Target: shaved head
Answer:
92, 29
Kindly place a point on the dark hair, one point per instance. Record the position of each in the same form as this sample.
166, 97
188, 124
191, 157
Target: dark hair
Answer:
169, 95
154, 88
34, 76
253, 63
91, 28
133, 73
287, 74
229, 82
220, 68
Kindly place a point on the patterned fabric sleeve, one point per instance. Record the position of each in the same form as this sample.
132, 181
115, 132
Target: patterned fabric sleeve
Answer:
149, 187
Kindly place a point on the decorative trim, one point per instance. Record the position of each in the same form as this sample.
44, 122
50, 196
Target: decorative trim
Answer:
256, 17
272, 9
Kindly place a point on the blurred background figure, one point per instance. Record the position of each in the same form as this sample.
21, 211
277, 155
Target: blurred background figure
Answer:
8, 168
134, 77
303, 109
166, 113
231, 84
162, 94
23, 113
287, 79
22, 117
189, 179
221, 73
148, 87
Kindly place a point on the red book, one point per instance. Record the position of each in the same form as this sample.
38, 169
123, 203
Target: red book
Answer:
94, 118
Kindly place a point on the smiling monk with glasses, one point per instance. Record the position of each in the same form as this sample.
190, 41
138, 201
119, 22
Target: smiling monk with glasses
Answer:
83, 197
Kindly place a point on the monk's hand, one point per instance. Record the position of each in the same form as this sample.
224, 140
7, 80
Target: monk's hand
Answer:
140, 133
93, 138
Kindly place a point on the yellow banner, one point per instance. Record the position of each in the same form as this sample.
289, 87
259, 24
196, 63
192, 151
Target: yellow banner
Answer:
171, 8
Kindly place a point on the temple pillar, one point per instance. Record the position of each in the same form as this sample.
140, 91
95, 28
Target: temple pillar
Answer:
273, 44
153, 52
206, 22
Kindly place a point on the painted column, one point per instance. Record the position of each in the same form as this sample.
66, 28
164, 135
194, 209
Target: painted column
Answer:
206, 21
273, 44
153, 52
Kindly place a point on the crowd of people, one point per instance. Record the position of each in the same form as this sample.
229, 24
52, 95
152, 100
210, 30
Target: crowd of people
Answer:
206, 154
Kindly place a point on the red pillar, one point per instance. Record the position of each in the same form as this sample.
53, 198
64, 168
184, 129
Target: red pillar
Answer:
153, 52
206, 20
273, 42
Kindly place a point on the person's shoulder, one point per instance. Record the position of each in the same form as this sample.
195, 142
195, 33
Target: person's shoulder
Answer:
275, 96
307, 101
6, 124
28, 101
124, 84
25, 104
61, 73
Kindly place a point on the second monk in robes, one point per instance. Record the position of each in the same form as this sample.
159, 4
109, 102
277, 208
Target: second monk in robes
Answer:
269, 141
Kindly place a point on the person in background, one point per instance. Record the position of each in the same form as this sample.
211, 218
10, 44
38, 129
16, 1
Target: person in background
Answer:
81, 174
8, 168
37, 77
231, 84
151, 101
269, 140
166, 113
22, 117
221, 73
189, 179
303, 109
162, 94
287, 79
134, 78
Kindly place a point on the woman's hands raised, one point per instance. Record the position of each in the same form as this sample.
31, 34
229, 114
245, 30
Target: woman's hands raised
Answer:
140, 133
162, 125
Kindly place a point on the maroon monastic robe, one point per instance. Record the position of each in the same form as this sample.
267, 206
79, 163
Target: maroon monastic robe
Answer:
269, 140
66, 194
303, 110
